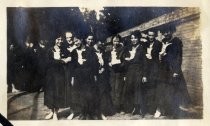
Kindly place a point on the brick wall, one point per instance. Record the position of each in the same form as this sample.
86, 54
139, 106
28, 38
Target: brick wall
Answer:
186, 21
189, 33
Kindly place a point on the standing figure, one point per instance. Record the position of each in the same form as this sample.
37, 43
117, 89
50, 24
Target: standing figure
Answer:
106, 105
135, 61
117, 72
153, 48
171, 74
68, 51
56, 89
85, 90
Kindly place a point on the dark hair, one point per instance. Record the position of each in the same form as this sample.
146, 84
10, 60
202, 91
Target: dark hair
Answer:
136, 33
90, 34
154, 31
117, 36
55, 36
170, 28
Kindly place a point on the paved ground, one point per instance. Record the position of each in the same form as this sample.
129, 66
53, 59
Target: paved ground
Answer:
29, 106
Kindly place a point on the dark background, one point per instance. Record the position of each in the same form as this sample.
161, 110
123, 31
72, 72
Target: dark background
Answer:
44, 23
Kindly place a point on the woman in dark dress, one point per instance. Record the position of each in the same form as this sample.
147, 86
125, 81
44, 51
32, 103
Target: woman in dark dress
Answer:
56, 90
106, 105
68, 50
85, 89
152, 49
135, 57
175, 93
117, 72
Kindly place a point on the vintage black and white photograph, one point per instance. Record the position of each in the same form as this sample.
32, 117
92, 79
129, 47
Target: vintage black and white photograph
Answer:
104, 63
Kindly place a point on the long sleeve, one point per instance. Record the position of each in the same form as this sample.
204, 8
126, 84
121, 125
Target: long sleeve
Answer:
155, 52
91, 60
176, 56
140, 59
51, 60
94, 63
144, 63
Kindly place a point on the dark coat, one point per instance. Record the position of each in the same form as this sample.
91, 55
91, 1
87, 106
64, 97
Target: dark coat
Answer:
152, 65
132, 93
170, 64
139, 57
106, 104
120, 52
56, 90
152, 87
71, 65
85, 90
117, 73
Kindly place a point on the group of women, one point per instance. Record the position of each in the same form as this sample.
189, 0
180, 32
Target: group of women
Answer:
94, 79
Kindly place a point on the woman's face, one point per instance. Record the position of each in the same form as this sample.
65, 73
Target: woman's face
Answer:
167, 36
134, 40
116, 41
78, 42
89, 40
58, 41
99, 45
69, 37
151, 36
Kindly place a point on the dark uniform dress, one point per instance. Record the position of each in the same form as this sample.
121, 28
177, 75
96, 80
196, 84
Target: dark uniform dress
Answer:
85, 90
175, 87
106, 104
117, 74
69, 51
56, 90
133, 86
151, 73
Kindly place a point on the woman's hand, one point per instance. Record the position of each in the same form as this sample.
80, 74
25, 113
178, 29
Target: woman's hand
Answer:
101, 70
66, 60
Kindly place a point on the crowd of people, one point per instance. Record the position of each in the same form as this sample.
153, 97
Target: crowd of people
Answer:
97, 79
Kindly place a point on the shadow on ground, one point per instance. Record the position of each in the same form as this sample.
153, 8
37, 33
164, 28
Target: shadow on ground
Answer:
30, 106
